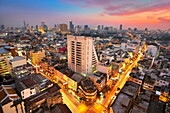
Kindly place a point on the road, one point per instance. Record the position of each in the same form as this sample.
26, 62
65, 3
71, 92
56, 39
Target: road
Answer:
109, 99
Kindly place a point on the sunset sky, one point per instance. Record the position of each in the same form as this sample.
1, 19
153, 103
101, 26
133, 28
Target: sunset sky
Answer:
153, 14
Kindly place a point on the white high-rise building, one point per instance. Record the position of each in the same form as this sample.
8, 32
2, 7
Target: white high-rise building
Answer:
82, 57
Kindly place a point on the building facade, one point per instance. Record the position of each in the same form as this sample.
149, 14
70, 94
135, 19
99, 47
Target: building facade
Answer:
63, 28
4, 64
71, 25
36, 56
82, 56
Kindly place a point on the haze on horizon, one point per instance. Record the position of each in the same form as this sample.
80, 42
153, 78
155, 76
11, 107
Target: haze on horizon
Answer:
152, 14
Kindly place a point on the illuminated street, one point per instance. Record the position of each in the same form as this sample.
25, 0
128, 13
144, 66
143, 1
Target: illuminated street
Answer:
99, 106
85, 56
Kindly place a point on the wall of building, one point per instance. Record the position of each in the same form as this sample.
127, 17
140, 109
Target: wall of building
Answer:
161, 83
18, 63
81, 55
8, 109
37, 56
65, 79
4, 66
27, 93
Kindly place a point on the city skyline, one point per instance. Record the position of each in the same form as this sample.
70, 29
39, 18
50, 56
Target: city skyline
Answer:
152, 14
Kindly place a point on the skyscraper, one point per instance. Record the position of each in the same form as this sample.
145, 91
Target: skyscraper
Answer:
86, 27
36, 27
2, 27
78, 28
82, 57
102, 27
71, 25
106, 28
135, 29
120, 26
43, 28
98, 27
63, 27
129, 28
25, 27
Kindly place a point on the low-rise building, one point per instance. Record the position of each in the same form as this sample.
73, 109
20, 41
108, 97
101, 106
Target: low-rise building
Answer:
10, 101
126, 97
87, 90
48, 97
75, 82
36, 56
32, 84
22, 71
17, 61
99, 79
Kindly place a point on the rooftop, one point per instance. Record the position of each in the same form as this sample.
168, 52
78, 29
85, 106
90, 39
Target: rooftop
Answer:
28, 82
17, 58
121, 103
77, 77
156, 107
64, 69
88, 86
2, 51
7, 93
42, 95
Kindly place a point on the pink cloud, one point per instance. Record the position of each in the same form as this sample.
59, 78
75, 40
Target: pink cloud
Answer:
123, 7
136, 9
101, 14
164, 19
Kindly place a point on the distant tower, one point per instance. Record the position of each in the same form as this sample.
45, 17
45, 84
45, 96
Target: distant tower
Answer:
63, 27
24, 24
78, 28
102, 27
32, 27
98, 27
25, 27
45, 28
2, 27
36, 27
146, 29
71, 26
120, 26
86, 27
106, 28
135, 29
82, 57
129, 28
110, 28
